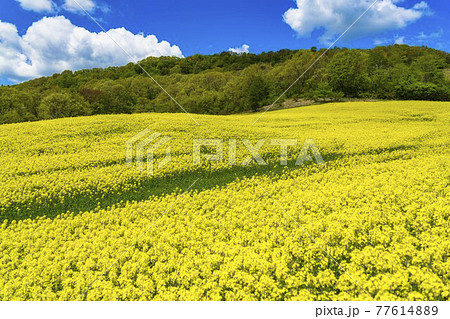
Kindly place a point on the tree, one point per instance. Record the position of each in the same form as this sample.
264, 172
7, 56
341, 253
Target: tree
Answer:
56, 105
16, 106
249, 90
324, 93
429, 68
348, 72
377, 60
422, 91
145, 87
296, 70
66, 79
115, 98
257, 92
381, 83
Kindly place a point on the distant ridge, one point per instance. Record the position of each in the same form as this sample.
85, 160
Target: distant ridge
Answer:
228, 83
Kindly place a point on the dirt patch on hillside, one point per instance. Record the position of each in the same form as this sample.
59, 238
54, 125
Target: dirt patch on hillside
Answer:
289, 104
447, 74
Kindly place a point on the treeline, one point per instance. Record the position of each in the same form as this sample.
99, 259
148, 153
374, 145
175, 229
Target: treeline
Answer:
229, 83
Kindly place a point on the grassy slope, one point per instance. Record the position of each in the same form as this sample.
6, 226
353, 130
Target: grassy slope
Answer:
380, 206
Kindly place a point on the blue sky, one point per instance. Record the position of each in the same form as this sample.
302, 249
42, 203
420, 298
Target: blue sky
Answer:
41, 37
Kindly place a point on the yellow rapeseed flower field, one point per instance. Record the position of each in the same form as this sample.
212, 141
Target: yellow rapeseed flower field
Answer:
69, 208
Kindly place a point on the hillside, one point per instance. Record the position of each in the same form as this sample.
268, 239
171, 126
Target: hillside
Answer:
228, 83
69, 207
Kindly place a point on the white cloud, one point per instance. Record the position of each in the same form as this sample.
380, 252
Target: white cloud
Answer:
54, 44
430, 36
379, 42
37, 5
420, 39
421, 6
245, 48
74, 6
335, 16
399, 40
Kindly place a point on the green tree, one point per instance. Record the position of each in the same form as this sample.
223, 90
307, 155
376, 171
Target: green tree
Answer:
298, 69
422, 91
257, 92
249, 90
377, 60
430, 68
115, 98
144, 87
16, 106
348, 72
56, 105
324, 93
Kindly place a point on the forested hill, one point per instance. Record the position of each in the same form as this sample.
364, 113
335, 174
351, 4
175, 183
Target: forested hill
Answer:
229, 83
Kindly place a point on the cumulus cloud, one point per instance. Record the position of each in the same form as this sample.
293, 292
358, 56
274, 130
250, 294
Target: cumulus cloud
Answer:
430, 36
399, 40
335, 16
54, 44
433, 39
37, 5
245, 48
74, 6
421, 6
